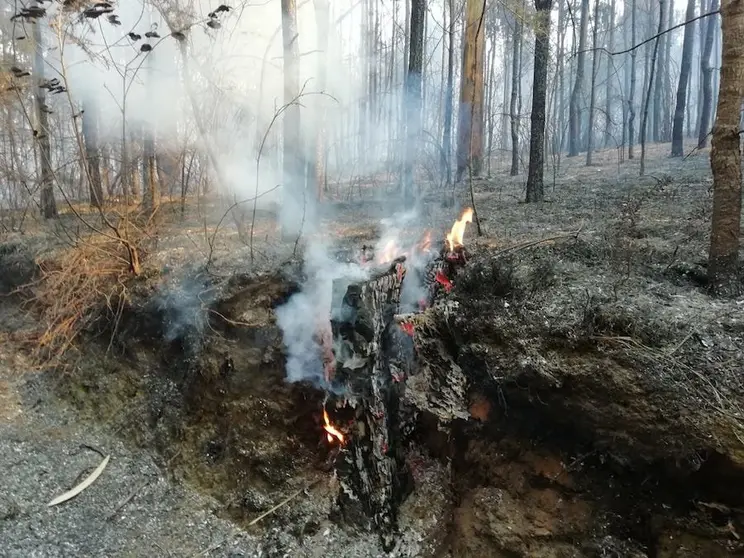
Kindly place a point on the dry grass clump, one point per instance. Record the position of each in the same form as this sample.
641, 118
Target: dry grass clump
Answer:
77, 287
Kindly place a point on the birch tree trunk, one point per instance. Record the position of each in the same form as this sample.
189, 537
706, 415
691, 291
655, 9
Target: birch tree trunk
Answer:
48, 203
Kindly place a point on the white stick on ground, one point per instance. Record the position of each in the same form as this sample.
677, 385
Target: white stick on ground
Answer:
82, 486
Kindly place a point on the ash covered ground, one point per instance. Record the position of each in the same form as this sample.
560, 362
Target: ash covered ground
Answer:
602, 399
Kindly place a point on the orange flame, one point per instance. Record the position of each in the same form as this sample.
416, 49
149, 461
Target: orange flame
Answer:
456, 234
331, 431
389, 252
425, 243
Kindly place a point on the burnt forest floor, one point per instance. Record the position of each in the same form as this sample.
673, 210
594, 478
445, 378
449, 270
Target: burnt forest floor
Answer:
604, 403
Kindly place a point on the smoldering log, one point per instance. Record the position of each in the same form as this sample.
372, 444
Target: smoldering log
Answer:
370, 367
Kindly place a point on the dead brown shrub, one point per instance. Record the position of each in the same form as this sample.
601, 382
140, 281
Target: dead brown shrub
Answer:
76, 287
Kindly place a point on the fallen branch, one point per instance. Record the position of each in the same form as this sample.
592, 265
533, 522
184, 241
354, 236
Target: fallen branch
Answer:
82, 486
531, 243
283, 502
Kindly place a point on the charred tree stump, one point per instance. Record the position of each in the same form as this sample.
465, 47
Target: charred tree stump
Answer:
373, 357
369, 373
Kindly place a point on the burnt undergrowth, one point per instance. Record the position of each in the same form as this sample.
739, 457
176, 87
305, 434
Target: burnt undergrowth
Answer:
584, 388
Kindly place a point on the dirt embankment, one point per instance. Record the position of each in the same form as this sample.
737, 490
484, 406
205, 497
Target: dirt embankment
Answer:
560, 415
580, 397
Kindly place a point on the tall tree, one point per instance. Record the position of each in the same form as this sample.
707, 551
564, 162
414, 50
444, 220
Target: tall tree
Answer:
631, 95
413, 96
682, 85
608, 76
48, 203
293, 168
725, 156
593, 89
470, 121
657, 71
706, 69
151, 190
574, 108
92, 152
535, 189
322, 10
516, 78
448, 98
651, 75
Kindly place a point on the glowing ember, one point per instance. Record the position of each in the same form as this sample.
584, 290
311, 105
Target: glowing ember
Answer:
331, 431
441, 278
407, 327
455, 236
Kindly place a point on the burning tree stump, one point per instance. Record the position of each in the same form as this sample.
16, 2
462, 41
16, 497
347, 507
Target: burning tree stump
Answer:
370, 367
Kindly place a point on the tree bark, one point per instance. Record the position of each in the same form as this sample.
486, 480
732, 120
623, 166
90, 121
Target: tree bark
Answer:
48, 203
631, 96
92, 153
608, 77
707, 78
516, 78
470, 121
682, 86
651, 81
725, 156
449, 97
413, 96
322, 8
658, 70
535, 189
593, 93
574, 109
292, 167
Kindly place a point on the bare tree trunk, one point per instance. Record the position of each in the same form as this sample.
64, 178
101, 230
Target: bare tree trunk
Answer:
682, 86
666, 108
516, 78
652, 71
151, 191
593, 92
608, 78
725, 156
413, 96
631, 96
707, 77
321, 17
449, 96
48, 203
535, 189
560, 133
293, 168
470, 121
660, 67
574, 109
92, 153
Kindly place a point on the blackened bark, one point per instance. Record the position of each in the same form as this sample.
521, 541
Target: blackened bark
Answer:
707, 77
535, 190
725, 156
92, 153
371, 466
574, 116
682, 86
413, 96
